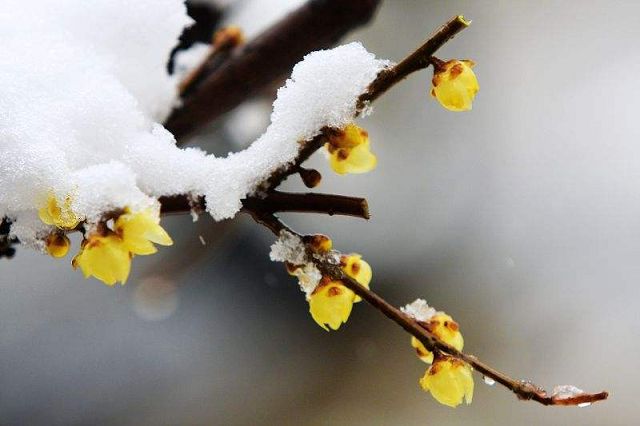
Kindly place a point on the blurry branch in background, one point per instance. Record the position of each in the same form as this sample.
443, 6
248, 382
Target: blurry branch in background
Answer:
318, 24
202, 105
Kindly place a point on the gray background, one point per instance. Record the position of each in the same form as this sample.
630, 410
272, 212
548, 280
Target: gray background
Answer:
520, 218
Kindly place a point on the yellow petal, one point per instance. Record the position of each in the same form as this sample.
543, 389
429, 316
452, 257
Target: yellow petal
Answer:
358, 269
140, 230
331, 304
450, 381
349, 151
355, 160
455, 85
446, 329
423, 353
62, 217
106, 258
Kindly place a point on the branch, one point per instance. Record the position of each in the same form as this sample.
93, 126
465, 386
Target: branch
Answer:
316, 25
524, 390
386, 79
276, 202
418, 60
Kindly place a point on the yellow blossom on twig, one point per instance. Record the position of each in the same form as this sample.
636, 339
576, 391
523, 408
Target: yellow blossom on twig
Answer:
358, 269
330, 304
59, 215
140, 230
445, 329
454, 84
105, 257
450, 381
349, 151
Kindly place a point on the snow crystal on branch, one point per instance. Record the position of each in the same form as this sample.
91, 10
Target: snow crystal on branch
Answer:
419, 310
288, 248
86, 123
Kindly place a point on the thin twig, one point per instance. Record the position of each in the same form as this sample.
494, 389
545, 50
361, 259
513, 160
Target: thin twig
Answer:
277, 202
419, 59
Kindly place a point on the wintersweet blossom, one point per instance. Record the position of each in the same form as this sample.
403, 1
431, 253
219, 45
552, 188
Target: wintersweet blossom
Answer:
358, 269
60, 215
140, 230
349, 151
445, 329
331, 301
450, 381
105, 257
106, 254
57, 245
454, 84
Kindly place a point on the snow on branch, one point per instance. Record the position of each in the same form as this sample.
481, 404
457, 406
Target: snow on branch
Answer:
86, 126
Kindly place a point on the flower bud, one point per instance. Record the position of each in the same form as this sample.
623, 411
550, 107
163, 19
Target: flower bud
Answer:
454, 84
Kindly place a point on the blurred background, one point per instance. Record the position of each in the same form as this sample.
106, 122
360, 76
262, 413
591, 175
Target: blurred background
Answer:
521, 219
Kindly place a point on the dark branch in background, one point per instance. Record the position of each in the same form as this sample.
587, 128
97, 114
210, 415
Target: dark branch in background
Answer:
6, 243
316, 25
206, 18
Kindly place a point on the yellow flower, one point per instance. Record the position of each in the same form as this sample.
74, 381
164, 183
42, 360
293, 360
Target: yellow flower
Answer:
423, 353
454, 84
349, 151
450, 381
105, 257
140, 230
57, 245
331, 303
358, 269
445, 329
61, 216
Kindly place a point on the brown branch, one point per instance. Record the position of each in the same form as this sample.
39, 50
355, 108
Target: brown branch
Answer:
276, 202
419, 59
524, 390
329, 204
316, 25
386, 79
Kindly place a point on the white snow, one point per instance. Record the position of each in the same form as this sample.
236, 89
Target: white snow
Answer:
419, 310
83, 93
290, 248
566, 391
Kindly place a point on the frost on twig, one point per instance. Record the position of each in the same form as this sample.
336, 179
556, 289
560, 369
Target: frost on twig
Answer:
419, 310
290, 249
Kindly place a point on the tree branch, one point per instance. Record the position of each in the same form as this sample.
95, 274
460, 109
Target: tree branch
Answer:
419, 59
277, 201
316, 25
524, 390
386, 79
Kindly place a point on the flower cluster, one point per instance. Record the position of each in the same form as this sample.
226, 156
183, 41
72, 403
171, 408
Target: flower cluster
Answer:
105, 252
448, 379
